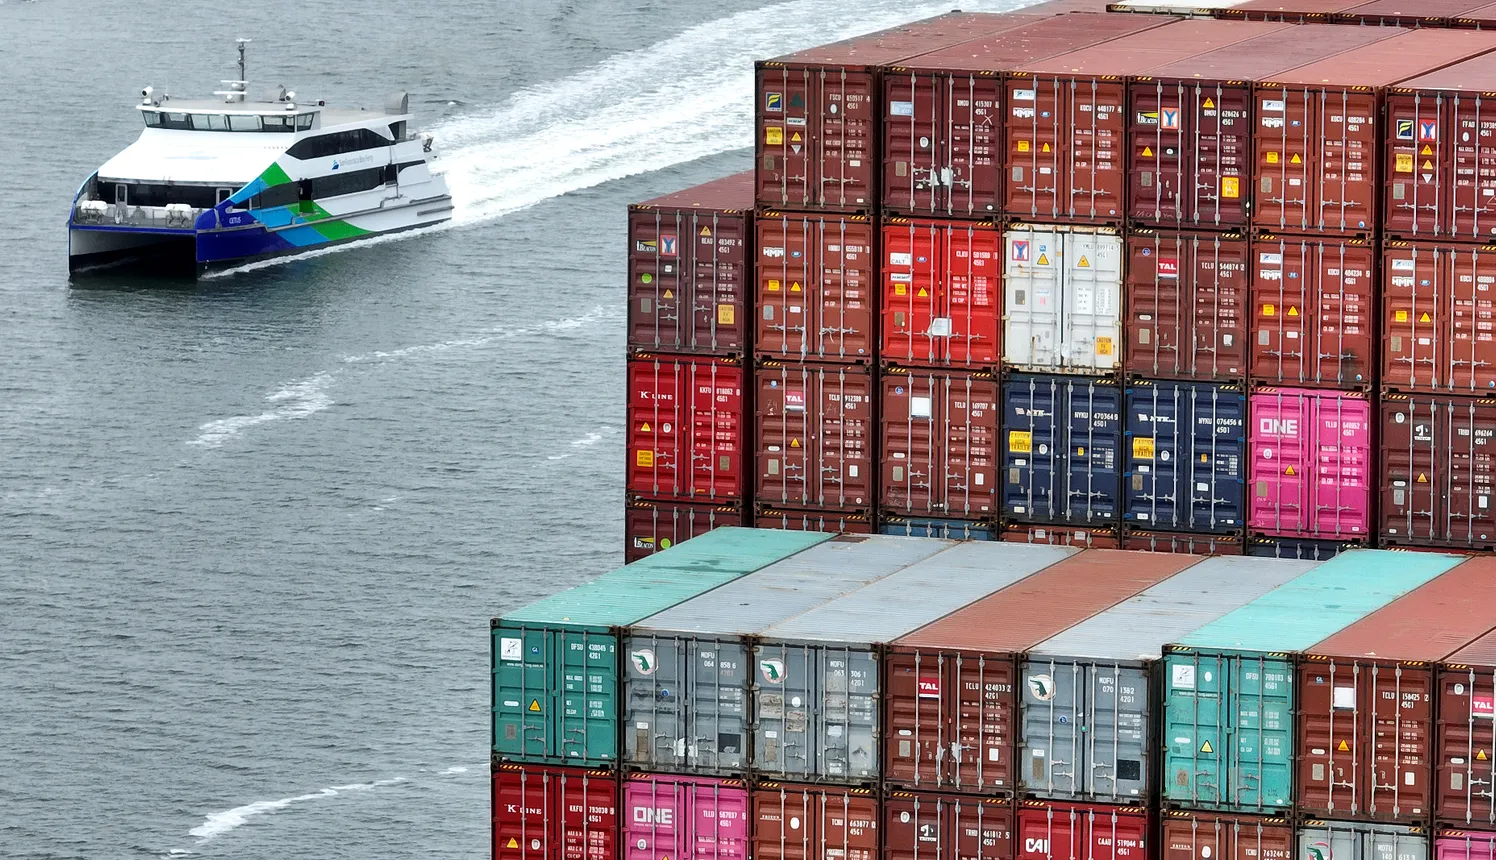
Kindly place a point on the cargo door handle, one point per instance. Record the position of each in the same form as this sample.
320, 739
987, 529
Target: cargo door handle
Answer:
956, 751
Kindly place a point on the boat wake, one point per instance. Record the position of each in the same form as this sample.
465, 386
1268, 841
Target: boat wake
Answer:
296, 400
219, 823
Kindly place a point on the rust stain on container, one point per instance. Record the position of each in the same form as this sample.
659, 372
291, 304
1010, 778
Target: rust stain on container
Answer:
1438, 470
939, 443
1187, 305
814, 296
815, 437
1312, 312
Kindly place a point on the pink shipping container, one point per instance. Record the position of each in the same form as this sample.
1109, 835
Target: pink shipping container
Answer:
1464, 845
1312, 462
684, 818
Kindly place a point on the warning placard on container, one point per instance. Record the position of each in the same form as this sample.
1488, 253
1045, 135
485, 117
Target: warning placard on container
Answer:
1020, 441
1142, 448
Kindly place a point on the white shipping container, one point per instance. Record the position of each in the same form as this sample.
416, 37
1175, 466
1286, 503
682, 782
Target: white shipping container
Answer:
1062, 288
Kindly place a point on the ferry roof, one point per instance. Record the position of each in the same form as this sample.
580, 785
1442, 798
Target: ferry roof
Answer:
175, 155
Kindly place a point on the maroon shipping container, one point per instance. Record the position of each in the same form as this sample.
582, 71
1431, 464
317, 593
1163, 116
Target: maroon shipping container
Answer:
815, 437
922, 826
943, 113
942, 291
817, 112
649, 527
1483, 18
1408, 13
1365, 724
688, 269
1313, 301
1187, 300
1191, 835
554, 813
1084, 538
1190, 125
814, 521
1294, 11
1441, 139
1316, 143
805, 822
685, 435
815, 283
940, 443
1194, 544
1438, 481
1438, 318
1466, 738
969, 659
1067, 120
1075, 831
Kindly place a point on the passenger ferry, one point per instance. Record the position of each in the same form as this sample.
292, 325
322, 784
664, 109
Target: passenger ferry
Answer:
216, 183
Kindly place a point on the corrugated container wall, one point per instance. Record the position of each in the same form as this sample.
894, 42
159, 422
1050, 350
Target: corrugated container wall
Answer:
952, 709
1311, 467
816, 431
684, 817
1189, 835
813, 521
1313, 312
895, 526
1062, 450
1070, 831
688, 269
556, 690
809, 822
1465, 751
1186, 446
1088, 693
1315, 550
1464, 845
816, 283
817, 689
1187, 305
1366, 700
942, 282
650, 527
540, 813
1438, 471
686, 429
1197, 544
1106, 537
1062, 293
1347, 841
922, 826
1228, 714
940, 443
1438, 318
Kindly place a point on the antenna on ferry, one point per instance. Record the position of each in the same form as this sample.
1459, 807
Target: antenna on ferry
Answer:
242, 42
237, 91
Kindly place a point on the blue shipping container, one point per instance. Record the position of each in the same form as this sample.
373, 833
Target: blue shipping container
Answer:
1062, 446
944, 529
1186, 443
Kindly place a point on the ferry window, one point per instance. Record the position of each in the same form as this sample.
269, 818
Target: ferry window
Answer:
277, 195
336, 143
277, 123
348, 183
200, 122
152, 119
218, 122
175, 120
243, 122
304, 122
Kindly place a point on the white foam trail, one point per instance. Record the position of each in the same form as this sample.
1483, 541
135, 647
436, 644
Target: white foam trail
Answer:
452, 771
599, 313
297, 400
218, 823
585, 442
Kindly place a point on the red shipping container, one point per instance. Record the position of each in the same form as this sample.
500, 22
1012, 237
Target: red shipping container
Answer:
815, 437
1365, 724
817, 112
940, 444
1189, 835
1483, 18
688, 269
951, 684
1465, 751
814, 521
1084, 538
1187, 299
1067, 120
1194, 544
922, 826
685, 435
1438, 318
554, 813
942, 287
1075, 831
1294, 12
650, 527
814, 297
1438, 475
1441, 135
1311, 468
1312, 312
804, 822
1316, 152
684, 817
943, 116
1407, 13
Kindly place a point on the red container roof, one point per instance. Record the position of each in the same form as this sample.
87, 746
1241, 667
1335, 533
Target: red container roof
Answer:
1482, 651
1413, 8
1299, 7
1384, 63
1138, 53
1261, 58
1045, 38
1475, 75
733, 192
1426, 624
907, 40
1483, 15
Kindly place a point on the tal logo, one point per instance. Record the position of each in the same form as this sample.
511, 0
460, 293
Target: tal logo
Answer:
1168, 268
929, 688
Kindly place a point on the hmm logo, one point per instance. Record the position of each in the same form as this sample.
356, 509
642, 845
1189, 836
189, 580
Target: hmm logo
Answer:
643, 660
650, 815
929, 688
1318, 850
1279, 426
772, 670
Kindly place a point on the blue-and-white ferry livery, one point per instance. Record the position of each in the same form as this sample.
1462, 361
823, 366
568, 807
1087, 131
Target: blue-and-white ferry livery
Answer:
218, 183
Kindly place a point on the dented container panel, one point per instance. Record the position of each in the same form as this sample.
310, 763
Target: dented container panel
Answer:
1438, 471
803, 822
814, 292
941, 288
686, 428
1438, 318
921, 826
554, 813
1071, 831
1189, 835
940, 443
1312, 312
1062, 305
685, 817
651, 527
1062, 450
815, 437
1187, 305
1186, 451
1311, 464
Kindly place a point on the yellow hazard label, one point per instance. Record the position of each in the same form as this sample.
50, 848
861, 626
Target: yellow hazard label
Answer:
669, 294
1230, 187
1023, 146
1020, 441
1045, 148
1209, 103
1205, 458
1295, 159
774, 136
1480, 756
1425, 318
1269, 310
1399, 316
794, 286
1084, 263
644, 459
1147, 152
923, 293
1428, 165
773, 285
1142, 449
794, 443
1344, 747
644, 428
726, 314
1403, 162
513, 843
1427, 150
1293, 311
1207, 748
535, 705
795, 138
1080, 452
900, 290
1103, 346
1043, 259
1272, 158
1423, 477
1289, 472
706, 231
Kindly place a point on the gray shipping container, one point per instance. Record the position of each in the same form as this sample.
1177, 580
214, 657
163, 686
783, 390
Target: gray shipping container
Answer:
1088, 692
686, 682
1362, 841
816, 679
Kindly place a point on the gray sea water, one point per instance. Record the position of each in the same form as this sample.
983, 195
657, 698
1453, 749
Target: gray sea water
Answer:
252, 527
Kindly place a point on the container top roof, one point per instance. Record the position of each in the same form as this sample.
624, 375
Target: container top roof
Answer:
1413, 8
1136, 54
906, 40
1296, 7
797, 584
1483, 15
1481, 651
1331, 596
1172, 7
1045, 38
1476, 75
1019, 617
730, 193
647, 586
1261, 58
1428, 623
920, 593
1139, 628
1383, 63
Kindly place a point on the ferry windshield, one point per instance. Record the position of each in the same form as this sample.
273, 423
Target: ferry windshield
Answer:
227, 122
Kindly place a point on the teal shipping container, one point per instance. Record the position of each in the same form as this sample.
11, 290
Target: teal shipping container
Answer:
555, 667
1228, 711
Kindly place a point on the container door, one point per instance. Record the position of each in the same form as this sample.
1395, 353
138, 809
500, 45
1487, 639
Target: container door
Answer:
783, 824
1261, 691
1217, 480
1034, 158
1161, 189
1031, 448
1410, 464
1344, 337
1032, 284
911, 141
1331, 698
783, 690
1052, 833
1159, 464
1343, 466
1195, 730
716, 736
913, 442
815, 437
1092, 301
844, 148
785, 169
1284, 351
656, 693
1415, 290
1472, 146
1456, 845
1418, 171
787, 287
685, 429
1282, 458
1117, 734
972, 121
1284, 158
525, 815
968, 477
1094, 452
524, 683
1472, 338
588, 715
687, 282
1097, 151
1401, 711
912, 299
848, 730
1320, 839
1160, 304
658, 815
968, 325
1052, 752
1469, 489
983, 829
984, 702
848, 825
918, 827
918, 726
1467, 746
1397, 843
1347, 160
587, 807
719, 823
655, 322
1222, 271
1220, 169
847, 289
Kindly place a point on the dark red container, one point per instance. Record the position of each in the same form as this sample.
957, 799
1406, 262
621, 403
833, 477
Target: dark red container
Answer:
649, 527
1294, 11
1194, 544
942, 293
940, 443
1438, 481
545, 813
1438, 318
816, 431
686, 426
817, 112
1077, 831
1084, 538
816, 279
1466, 737
1438, 151
1187, 305
1408, 13
805, 822
943, 113
814, 521
1216, 836
1313, 301
926, 826
688, 269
